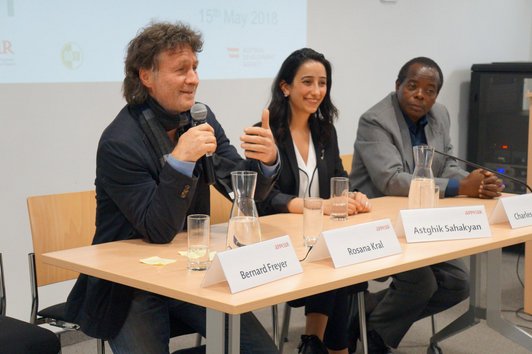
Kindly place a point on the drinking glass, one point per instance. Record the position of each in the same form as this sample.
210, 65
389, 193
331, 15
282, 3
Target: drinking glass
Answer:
198, 231
339, 197
312, 220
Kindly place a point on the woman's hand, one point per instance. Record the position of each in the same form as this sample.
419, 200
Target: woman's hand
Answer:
357, 202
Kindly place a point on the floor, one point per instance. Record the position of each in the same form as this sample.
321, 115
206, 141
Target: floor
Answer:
477, 339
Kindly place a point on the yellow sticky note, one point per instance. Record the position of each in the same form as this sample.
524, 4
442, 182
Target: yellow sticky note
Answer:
155, 260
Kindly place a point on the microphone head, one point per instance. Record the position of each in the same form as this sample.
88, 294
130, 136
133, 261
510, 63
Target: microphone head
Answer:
198, 112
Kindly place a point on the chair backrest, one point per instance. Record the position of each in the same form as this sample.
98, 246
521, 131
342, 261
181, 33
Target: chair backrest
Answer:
63, 221
58, 222
21, 337
347, 160
220, 207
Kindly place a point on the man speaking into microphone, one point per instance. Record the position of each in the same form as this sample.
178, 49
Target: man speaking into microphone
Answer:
383, 164
148, 180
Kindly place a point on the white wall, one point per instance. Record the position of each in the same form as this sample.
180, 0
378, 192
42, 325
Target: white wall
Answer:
50, 132
368, 41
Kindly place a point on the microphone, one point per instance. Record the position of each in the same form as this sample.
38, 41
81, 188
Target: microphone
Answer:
199, 116
472, 164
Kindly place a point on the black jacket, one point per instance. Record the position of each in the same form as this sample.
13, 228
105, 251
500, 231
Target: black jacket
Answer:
137, 198
287, 186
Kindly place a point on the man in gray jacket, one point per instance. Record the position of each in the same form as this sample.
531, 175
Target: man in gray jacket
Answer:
383, 164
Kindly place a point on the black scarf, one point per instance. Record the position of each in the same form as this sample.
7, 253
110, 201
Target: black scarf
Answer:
155, 121
168, 120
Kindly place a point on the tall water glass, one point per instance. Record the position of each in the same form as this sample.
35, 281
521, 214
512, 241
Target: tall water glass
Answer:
198, 232
312, 220
339, 197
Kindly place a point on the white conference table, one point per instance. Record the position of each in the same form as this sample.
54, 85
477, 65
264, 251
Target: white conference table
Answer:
119, 262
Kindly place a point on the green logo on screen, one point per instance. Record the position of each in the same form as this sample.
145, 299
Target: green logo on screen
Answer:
71, 56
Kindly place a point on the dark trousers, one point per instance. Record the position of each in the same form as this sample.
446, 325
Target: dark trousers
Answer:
416, 294
334, 305
147, 327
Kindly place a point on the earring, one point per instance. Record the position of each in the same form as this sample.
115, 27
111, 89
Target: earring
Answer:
285, 95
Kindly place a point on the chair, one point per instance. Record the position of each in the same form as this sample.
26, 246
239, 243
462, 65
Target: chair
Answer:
63, 221
58, 221
220, 207
19, 337
347, 161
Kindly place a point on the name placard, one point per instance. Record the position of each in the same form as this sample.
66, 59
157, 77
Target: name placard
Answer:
254, 265
357, 243
437, 224
516, 209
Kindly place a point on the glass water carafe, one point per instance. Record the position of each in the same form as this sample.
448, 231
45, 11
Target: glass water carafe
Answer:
422, 187
244, 227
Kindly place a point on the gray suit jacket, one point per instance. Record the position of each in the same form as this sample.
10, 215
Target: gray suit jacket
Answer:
383, 162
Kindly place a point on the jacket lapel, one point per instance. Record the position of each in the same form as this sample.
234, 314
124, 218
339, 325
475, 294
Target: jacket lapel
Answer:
408, 158
321, 164
434, 139
292, 160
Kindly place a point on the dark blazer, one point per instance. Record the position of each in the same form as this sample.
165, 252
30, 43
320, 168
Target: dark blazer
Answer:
139, 198
287, 186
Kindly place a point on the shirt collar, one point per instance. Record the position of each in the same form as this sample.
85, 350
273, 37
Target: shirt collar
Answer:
414, 127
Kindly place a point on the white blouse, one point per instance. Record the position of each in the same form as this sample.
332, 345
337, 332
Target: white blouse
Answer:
309, 185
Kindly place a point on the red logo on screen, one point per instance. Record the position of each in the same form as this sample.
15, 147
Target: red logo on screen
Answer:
233, 52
